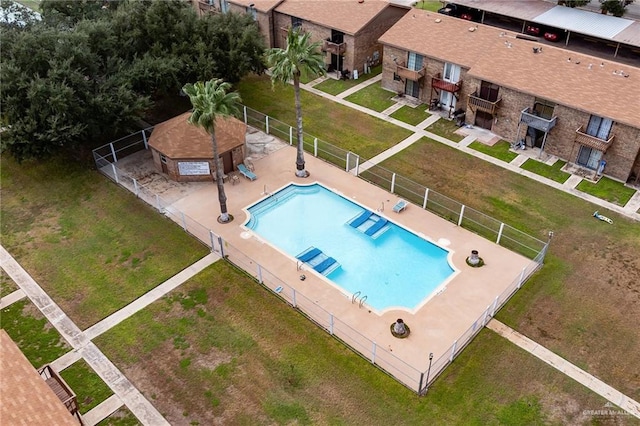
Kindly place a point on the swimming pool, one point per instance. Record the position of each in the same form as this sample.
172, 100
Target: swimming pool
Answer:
391, 266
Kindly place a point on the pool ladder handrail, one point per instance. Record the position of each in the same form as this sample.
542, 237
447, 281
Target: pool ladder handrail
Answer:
355, 296
362, 299
381, 208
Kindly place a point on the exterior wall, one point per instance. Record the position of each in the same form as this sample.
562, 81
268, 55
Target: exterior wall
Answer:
366, 40
237, 155
263, 19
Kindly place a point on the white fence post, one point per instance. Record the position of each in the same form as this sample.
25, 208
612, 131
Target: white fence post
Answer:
260, 274
500, 233
346, 167
393, 182
144, 138
115, 172
426, 197
315, 147
244, 112
290, 135
495, 306
461, 215
184, 221
521, 278
158, 203
373, 353
135, 187
221, 247
357, 165
113, 153
484, 318
293, 301
212, 237
453, 351
266, 124
331, 324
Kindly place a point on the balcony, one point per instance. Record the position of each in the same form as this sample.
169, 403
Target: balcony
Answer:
529, 118
485, 105
334, 48
409, 74
62, 390
592, 141
447, 86
206, 7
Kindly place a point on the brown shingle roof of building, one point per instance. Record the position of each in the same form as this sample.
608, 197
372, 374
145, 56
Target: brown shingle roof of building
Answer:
348, 16
485, 52
26, 397
177, 139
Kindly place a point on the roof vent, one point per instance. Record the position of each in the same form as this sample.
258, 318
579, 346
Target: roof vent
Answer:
438, 20
472, 29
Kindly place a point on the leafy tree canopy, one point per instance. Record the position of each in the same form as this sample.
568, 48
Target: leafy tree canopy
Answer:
89, 70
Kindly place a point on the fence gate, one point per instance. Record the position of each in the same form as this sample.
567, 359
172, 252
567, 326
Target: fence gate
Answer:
353, 161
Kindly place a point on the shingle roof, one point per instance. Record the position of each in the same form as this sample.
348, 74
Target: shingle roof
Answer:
348, 16
178, 139
26, 397
486, 53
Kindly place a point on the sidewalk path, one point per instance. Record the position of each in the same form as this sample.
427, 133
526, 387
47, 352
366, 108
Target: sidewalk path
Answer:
83, 347
562, 365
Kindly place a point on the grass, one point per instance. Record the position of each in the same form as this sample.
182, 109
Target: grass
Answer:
335, 87
7, 286
413, 116
432, 6
499, 150
607, 189
446, 129
222, 341
552, 172
336, 124
30, 330
86, 384
92, 224
373, 97
590, 278
121, 417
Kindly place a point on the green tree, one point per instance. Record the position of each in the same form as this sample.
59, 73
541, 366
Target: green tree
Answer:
614, 7
212, 101
300, 55
573, 3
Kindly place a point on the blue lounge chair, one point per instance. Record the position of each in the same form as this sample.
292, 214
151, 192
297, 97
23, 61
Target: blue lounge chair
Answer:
376, 226
360, 219
400, 205
309, 254
246, 172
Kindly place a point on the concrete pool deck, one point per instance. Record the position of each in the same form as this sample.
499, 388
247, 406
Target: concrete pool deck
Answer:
434, 326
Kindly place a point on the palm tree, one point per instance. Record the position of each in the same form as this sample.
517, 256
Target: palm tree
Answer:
300, 55
210, 100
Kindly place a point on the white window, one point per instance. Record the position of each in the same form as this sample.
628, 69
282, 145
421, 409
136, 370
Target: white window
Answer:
224, 6
589, 157
451, 73
415, 61
251, 10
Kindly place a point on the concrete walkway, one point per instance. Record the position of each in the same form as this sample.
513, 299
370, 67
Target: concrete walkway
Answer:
596, 385
124, 391
360, 86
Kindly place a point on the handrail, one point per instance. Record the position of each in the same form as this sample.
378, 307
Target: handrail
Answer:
355, 296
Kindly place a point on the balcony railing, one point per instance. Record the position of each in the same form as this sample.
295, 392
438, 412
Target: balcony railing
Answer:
206, 7
334, 48
475, 101
409, 74
62, 390
530, 119
447, 86
592, 141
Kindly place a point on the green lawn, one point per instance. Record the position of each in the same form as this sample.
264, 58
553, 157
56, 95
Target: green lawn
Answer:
221, 341
584, 301
413, 116
446, 129
335, 87
7, 286
373, 97
30, 330
91, 237
552, 172
336, 124
86, 384
499, 150
432, 6
121, 417
607, 189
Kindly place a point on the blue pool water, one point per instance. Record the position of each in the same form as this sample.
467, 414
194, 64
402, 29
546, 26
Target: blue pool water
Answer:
392, 267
